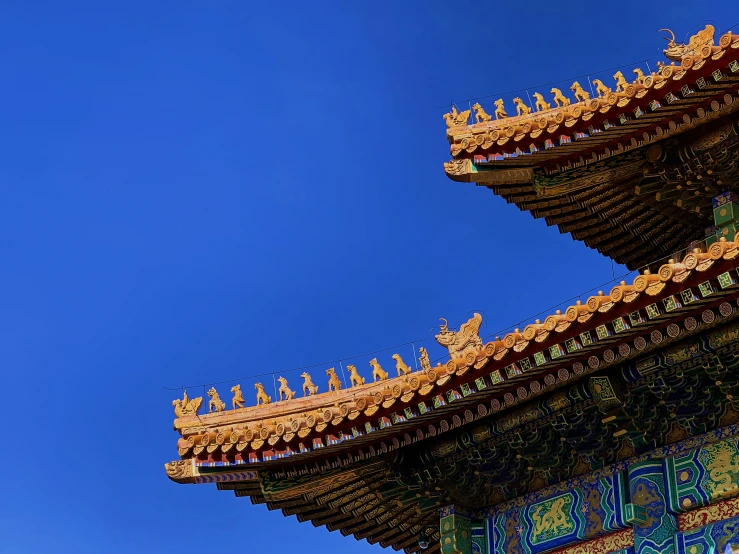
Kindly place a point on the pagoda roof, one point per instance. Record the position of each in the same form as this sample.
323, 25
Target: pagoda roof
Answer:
605, 167
338, 458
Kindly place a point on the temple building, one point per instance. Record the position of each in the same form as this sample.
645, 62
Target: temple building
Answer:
611, 427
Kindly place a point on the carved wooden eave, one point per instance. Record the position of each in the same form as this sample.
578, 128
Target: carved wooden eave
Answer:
288, 429
354, 485
592, 167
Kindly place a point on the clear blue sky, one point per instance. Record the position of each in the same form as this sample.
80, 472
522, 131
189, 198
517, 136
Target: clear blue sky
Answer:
196, 191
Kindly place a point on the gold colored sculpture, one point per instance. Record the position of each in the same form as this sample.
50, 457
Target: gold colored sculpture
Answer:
334, 383
354, 377
639, 76
262, 397
238, 400
521, 108
455, 118
378, 374
309, 388
284, 390
215, 404
464, 341
580, 94
676, 52
424, 359
499, 109
481, 116
600, 88
186, 406
560, 99
621, 82
541, 104
400, 365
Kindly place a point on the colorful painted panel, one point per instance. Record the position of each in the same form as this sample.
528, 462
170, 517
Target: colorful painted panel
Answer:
654, 526
621, 542
479, 540
579, 514
704, 475
718, 538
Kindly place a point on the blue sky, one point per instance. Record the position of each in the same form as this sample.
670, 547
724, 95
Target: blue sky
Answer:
197, 191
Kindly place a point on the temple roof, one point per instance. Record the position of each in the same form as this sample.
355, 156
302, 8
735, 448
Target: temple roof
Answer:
341, 458
617, 167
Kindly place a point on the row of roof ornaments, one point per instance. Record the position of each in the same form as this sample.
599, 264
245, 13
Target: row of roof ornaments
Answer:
262, 427
215, 404
691, 56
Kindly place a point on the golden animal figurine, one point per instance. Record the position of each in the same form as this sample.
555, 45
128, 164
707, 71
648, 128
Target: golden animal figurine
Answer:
309, 388
639, 76
464, 341
215, 404
521, 108
600, 88
676, 52
560, 99
238, 399
354, 378
284, 390
455, 118
378, 374
400, 365
499, 109
262, 397
621, 82
186, 406
481, 116
541, 104
424, 359
334, 383
580, 94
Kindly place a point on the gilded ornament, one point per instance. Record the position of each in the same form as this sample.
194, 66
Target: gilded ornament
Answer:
465, 342
179, 469
424, 359
458, 167
455, 118
354, 378
400, 365
499, 109
215, 404
580, 94
640, 77
600, 88
621, 82
677, 52
185, 406
309, 388
541, 104
334, 383
238, 399
262, 397
481, 116
560, 99
521, 108
285, 392
378, 374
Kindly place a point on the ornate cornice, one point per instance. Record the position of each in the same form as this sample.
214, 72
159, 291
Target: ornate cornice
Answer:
273, 431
